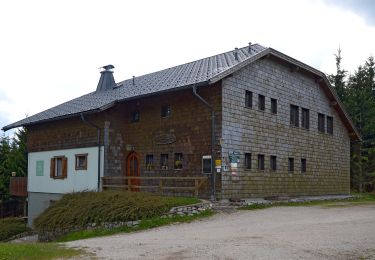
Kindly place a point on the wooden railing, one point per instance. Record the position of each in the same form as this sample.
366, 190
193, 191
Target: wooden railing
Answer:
159, 184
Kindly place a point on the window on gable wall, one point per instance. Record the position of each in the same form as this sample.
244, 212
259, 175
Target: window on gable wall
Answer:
303, 165
248, 161
273, 106
261, 102
330, 125
58, 167
135, 116
305, 118
321, 127
178, 159
81, 161
248, 99
291, 164
294, 118
273, 164
261, 162
165, 111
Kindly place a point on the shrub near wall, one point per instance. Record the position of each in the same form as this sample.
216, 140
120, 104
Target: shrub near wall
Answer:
10, 227
79, 210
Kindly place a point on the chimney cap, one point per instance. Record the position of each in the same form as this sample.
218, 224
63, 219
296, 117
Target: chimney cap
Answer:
108, 67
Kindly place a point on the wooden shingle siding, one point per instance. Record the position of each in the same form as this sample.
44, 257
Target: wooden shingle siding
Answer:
258, 132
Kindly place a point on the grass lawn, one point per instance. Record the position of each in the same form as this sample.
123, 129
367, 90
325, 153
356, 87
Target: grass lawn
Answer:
360, 199
144, 224
37, 251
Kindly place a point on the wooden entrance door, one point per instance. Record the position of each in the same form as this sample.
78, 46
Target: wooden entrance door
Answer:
132, 169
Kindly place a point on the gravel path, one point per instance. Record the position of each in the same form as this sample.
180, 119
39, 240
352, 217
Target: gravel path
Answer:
274, 233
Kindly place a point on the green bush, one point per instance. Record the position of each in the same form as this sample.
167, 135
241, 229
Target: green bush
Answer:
82, 208
12, 226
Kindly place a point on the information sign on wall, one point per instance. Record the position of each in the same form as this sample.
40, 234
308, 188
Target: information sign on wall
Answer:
39, 168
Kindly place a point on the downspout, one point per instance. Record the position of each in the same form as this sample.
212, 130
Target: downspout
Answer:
99, 153
213, 177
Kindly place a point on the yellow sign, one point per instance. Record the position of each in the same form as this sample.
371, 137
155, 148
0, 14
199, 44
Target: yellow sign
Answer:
217, 162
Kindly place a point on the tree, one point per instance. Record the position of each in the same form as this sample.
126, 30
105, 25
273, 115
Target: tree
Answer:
360, 103
338, 79
13, 158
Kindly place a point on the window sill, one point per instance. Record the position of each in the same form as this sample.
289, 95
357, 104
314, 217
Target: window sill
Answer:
58, 178
81, 169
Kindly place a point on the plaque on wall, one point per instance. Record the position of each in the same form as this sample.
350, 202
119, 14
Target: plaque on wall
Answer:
164, 139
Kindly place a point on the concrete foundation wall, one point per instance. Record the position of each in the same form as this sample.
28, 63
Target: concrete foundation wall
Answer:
38, 202
249, 130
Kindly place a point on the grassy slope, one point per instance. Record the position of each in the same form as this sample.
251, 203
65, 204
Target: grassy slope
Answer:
79, 209
35, 251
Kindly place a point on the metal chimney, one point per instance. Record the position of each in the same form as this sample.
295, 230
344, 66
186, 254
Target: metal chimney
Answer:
106, 81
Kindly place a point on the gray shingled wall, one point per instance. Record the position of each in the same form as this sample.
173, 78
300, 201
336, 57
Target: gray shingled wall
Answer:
258, 132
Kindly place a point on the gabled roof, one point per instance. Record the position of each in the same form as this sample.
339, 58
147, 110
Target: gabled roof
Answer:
204, 71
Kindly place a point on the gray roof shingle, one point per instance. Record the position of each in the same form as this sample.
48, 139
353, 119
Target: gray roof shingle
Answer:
176, 77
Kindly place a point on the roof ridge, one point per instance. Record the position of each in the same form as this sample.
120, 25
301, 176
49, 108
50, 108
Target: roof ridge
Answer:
190, 62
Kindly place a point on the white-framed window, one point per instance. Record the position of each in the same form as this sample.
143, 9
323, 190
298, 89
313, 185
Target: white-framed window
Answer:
81, 161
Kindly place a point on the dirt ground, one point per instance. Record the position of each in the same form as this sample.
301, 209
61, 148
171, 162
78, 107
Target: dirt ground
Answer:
343, 232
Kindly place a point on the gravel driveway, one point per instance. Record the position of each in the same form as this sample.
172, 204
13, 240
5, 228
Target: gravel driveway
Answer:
274, 233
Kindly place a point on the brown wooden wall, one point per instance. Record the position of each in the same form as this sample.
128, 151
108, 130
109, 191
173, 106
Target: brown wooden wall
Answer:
189, 123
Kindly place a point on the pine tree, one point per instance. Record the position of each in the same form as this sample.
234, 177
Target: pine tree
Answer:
338, 79
360, 102
13, 158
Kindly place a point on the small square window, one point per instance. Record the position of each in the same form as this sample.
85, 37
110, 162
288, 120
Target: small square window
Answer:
273, 161
261, 102
330, 125
294, 117
149, 162
248, 161
305, 118
321, 127
178, 159
273, 106
135, 116
303, 165
249, 99
164, 161
165, 111
261, 162
291, 164
81, 161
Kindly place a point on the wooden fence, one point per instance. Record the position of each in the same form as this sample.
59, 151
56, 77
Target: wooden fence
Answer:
158, 184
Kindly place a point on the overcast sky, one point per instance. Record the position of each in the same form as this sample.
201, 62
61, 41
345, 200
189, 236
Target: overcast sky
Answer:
50, 51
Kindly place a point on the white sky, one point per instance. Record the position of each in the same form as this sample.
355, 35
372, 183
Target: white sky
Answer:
50, 51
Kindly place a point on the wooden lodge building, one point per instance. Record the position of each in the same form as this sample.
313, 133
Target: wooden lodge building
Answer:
252, 122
